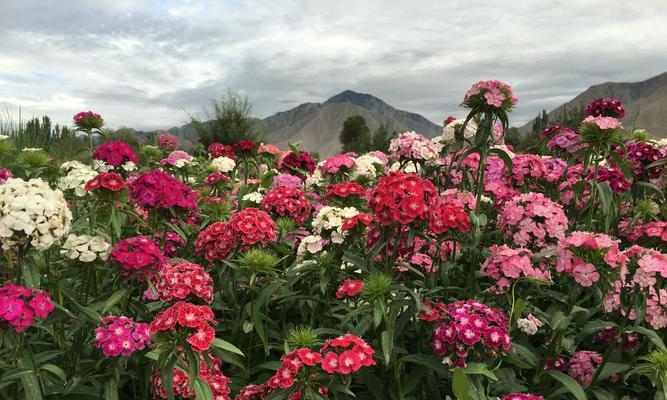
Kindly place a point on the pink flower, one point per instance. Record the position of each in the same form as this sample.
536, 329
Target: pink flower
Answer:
585, 274
603, 122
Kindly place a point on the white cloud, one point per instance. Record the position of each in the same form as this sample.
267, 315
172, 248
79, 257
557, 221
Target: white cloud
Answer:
145, 63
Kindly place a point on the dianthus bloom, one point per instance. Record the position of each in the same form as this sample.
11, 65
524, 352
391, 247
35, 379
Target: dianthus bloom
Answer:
107, 180
611, 337
167, 142
157, 189
244, 146
138, 256
121, 336
170, 242
521, 396
195, 320
349, 288
19, 305
583, 365
210, 372
412, 146
216, 178
470, 331
269, 148
401, 198
290, 365
644, 273
177, 158
5, 175
85, 248
615, 178
532, 219
506, 265
88, 120
296, 164
252, 226
288, 180
287, 202
446, 215
220, 150
490, 93
529, 325
115, 153
344, 189
589, 256
337, 163
565, 141
641, 155
215, 242
602, 107
178, 280
346, 354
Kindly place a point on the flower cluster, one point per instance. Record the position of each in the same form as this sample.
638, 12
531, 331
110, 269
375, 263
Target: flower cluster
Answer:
252, 226
157, 189
583, 365
5, 175
452, 130
223, 164
216, 150
367, 166
287, 180
655, 231
107, 180
645, 272
88, 120
445, 215
115, 153
641, 155
120, 336
349, 288
469, 330
196, 320
588, 256
565, 141
297, 164
32, 212
215, 242
401, 198
177, 158
179, 279
75, 179
287, 201
490, 93
346, 354
344, 189
19, 305
506, 265
529, 325
331, 219
338, 163
167, 142
611, 337
412, 146
244, 146
170, 242
85, 248
521, 396
614, 176
137, 257
602, 107
211, 373
532, 220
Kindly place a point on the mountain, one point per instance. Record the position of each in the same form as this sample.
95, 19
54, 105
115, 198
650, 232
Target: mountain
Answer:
317, 125
645, 103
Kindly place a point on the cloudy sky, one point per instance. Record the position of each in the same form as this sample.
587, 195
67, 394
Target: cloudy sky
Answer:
147, 64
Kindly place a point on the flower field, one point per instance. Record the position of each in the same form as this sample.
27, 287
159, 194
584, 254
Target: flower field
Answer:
446, 268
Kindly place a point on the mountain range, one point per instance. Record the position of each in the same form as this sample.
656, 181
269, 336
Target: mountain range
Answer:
645, 103
317, 125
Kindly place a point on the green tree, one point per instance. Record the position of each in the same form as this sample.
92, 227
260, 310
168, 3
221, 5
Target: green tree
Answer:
540, 123
570, 118
381, 138
227, 121
355, 135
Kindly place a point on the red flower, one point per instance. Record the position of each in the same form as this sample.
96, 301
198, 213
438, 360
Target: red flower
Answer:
350, 288
330, 363
309, 357
446, 215
244, 146
401, 198
201, 340
115, 153
344, 189
351, 222
287, 202
178, 280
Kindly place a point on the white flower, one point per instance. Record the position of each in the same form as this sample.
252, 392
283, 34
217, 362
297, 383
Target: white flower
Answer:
313, 180
529, 325
3, 137
32, 149
255, 197
32, 210
77, 176
366, 166
129, 166
331, 219
449, 130
408, 168
223, 164
85, 248
311, 244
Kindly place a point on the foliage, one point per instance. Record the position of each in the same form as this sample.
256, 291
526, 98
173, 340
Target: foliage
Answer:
228, 121
355, 135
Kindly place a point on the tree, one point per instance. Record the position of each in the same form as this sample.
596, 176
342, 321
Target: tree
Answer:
227, 122
355, 135
570, 118
540, 123
381, 138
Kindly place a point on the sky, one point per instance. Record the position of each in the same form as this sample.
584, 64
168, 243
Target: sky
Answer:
151, 64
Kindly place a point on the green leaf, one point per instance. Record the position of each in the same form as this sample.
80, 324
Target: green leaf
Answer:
427, 360
113, 299
461, 385
387, 346
569, 383
652, 335
31, 389
602, 394
611, 368
378, 313
202, 390
225, 345
111, 390
30, 274
480, 369
55, 370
